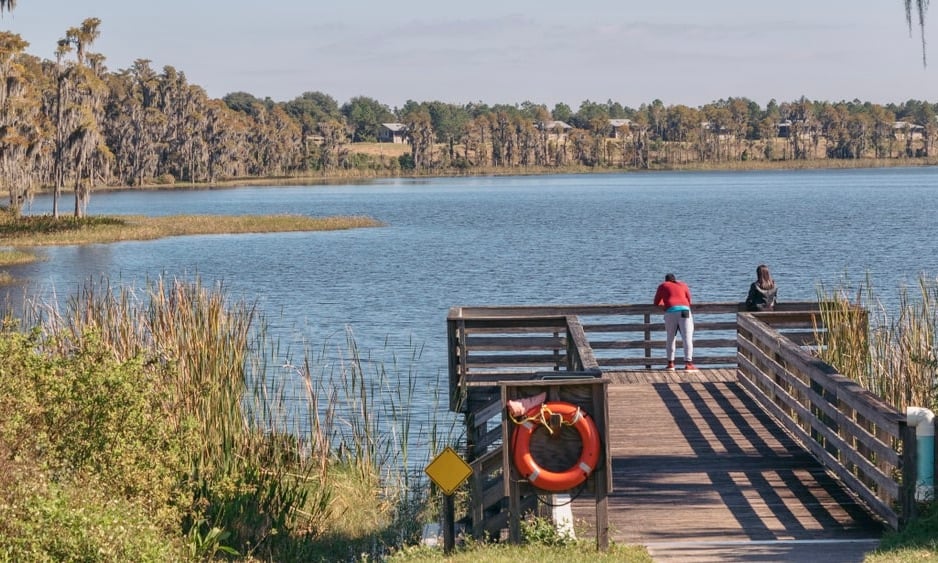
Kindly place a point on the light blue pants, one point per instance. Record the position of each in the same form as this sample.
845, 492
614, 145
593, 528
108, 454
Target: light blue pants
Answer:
674, 323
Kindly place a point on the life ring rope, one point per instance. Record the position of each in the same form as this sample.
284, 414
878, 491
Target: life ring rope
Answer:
542, 418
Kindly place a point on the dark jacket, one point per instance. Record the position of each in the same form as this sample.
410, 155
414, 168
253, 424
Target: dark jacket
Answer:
760, 299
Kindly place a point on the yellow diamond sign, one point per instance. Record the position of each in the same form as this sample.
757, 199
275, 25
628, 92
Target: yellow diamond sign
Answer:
448, 470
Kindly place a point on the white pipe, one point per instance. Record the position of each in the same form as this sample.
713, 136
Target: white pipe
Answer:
562, 514
924, 422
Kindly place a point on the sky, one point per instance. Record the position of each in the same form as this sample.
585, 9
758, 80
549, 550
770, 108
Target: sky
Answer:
689, 52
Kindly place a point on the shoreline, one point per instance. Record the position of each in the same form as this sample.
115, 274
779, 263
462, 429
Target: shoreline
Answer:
353, 177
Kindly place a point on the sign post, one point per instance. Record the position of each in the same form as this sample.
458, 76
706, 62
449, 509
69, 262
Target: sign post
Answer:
448, 471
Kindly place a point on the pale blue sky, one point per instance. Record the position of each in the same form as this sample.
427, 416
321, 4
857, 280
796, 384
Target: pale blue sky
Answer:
680, 51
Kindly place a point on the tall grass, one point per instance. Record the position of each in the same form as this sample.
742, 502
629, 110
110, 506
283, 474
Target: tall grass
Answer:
892, 353
262, 469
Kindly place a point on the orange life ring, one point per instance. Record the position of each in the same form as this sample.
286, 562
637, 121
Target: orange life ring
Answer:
556, 480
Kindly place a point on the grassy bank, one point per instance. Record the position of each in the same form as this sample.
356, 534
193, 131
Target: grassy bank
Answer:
12, 257
146, 426
344, 176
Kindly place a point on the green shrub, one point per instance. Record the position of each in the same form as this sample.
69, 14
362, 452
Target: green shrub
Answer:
406, 161
78, 522
543, 532
84, 413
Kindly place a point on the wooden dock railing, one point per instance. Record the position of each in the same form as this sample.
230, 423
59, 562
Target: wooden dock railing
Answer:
492, 344
849, 430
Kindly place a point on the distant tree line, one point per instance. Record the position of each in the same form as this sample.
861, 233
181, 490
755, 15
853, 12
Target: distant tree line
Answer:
70, 123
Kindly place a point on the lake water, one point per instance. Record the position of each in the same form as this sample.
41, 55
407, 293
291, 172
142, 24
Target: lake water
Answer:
573, 239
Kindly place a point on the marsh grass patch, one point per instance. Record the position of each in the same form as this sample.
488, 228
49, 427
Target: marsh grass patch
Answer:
42, 230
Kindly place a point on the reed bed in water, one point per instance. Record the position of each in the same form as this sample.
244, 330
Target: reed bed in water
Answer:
44, 230
11, 257
890, 353
224, 465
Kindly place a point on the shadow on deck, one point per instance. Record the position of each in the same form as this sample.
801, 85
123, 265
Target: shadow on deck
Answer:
702, 472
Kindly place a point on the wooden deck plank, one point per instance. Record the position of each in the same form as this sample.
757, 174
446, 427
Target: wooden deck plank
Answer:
695, 459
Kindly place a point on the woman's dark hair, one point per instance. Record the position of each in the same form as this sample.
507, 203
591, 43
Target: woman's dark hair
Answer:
764, 278
669, 277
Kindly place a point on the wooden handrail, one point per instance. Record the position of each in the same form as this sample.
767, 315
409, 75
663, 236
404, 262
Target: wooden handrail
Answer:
491, 344
849, 430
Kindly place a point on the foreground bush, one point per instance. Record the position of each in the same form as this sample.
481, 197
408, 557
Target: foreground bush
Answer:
77, 521
129, 432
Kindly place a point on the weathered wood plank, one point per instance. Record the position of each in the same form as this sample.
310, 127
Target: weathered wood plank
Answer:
523, 360
698, 360
850, 392
581, 345
655, 326
660, 344
843, 421
855, 484
515, 342
702, 462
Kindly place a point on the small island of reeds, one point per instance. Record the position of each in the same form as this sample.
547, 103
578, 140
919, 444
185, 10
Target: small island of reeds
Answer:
46, 230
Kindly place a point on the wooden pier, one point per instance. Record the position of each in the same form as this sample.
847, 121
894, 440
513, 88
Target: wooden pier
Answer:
701, 472
765, 454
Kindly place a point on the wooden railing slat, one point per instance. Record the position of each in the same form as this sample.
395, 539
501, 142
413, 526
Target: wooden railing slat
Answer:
842, 420
515, 342
660, 360
853, 394
511, 359
659, 344
585, 357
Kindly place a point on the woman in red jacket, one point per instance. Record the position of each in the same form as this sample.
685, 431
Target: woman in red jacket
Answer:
674, 297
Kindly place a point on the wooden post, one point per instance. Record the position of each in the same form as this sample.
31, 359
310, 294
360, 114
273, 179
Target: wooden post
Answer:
647, 339
449, 524
557, 354
909, 473
514, 507
603, 474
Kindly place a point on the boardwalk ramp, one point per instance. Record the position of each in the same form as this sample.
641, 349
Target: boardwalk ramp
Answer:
702, 473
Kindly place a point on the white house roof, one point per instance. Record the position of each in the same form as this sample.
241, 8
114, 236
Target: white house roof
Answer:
620, 122
396, 127
906, 125
555, 125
